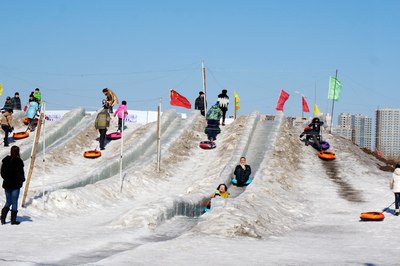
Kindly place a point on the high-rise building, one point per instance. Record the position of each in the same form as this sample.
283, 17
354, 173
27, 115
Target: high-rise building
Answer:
361, 126
387, 133
343, 127
356, 128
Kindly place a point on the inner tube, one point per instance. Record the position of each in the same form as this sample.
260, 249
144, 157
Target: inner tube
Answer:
372, 216
207, 145
26, 121
114, 135
234, 182
327, 155
21, 135
324, 145
92, 154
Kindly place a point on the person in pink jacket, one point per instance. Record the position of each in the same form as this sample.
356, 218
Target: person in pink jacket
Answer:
122, 112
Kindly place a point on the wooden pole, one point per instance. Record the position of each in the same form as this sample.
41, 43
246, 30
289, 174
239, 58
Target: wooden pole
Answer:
234, 114
33, 157
159, 137
203, 71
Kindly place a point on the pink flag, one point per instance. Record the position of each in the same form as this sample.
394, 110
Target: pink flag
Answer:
305, 105
282, 99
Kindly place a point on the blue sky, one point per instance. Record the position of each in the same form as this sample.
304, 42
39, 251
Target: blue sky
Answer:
141, 49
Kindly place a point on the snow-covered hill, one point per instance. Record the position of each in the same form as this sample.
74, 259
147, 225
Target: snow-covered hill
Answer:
299, 210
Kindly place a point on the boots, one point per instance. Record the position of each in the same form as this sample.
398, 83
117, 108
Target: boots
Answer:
397, 212
4, 213
14, 217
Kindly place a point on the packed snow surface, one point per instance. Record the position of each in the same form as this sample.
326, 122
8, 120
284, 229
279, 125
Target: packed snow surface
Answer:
119, 210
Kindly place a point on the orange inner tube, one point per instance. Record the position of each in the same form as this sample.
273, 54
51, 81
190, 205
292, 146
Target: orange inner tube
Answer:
26, 121
20, 135
92, 154
372, 216
327, 155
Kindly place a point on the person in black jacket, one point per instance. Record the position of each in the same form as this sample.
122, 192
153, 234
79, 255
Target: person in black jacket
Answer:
12, 171
199, 103
16, 102
223, 100
242, 172
313, 132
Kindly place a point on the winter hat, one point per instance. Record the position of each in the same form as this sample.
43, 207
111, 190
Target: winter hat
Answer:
224, 91
201, 93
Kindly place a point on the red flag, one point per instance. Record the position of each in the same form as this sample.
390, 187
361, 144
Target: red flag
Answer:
282, 99
305, 105
178, 100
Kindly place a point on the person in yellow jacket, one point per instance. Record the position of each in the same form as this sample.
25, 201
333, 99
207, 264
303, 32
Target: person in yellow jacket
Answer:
221, 191
111, 98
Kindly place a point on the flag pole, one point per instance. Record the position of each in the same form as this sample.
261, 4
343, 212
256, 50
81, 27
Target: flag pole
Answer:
159, 136
234, 114
203, 71
333, 101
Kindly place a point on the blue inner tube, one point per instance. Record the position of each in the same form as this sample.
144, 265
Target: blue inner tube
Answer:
234, 181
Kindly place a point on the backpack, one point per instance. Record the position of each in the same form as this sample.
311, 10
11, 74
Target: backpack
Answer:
214, 113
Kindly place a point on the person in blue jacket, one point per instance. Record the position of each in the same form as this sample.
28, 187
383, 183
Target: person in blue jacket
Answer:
31, 111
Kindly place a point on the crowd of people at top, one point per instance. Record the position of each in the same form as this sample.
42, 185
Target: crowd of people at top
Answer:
31, 110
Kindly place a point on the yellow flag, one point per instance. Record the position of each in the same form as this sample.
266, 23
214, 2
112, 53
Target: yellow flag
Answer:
316, 110
1, 89
237, 99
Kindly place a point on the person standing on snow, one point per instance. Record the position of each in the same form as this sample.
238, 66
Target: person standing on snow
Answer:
101, 123
199, 103
242, 172
395, 186
31, 112
122, 112
16, 101
12, 172
7, 125
38, 95
111, 98
7, 104
223, 100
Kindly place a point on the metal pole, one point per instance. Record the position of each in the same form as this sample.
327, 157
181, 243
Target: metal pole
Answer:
333, 101
159, 137
122, 150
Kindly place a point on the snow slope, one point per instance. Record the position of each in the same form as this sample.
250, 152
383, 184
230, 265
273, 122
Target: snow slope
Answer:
299, 210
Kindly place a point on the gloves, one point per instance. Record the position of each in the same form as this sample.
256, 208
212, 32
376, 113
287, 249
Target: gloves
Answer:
12, 129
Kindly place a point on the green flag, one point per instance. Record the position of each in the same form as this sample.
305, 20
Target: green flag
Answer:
335, 87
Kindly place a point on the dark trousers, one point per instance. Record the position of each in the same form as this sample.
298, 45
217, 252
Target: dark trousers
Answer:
7, 130
102, 137
224, 110
396, 200
120, 124
12, 196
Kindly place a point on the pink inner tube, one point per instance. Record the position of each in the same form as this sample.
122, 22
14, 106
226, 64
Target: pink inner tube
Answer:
114, 135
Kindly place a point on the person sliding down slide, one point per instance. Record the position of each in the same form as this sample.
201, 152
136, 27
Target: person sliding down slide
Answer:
242, 173
313, 132
213, 116
221, 191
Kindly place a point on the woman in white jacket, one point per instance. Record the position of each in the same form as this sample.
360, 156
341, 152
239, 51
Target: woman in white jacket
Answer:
395, 185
